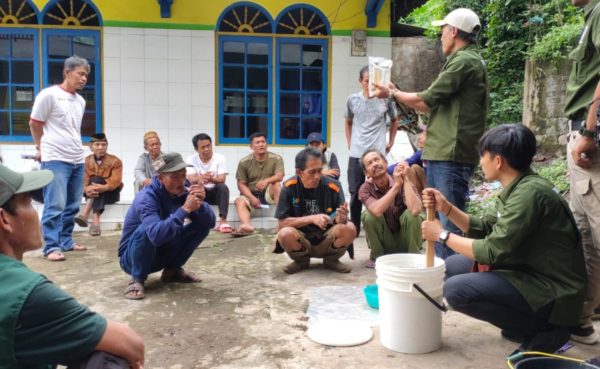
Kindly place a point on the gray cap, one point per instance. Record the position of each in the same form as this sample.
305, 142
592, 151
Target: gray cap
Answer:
170, 162
12, 182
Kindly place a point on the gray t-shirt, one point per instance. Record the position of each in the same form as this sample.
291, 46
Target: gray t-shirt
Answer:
368, 122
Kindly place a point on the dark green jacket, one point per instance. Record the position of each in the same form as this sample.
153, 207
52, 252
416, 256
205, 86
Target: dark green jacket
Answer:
531, 239
458, 100
585, 72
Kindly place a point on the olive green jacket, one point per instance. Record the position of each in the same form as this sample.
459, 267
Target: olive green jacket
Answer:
458, 100
531, 239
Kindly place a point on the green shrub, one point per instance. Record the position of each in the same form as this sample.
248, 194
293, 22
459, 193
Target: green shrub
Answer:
555, 45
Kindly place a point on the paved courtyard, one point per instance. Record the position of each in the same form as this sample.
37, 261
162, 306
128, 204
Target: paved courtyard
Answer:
247, 313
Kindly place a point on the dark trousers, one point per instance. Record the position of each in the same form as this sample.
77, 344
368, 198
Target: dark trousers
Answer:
490, 297
219, 195
105, 198
356, 178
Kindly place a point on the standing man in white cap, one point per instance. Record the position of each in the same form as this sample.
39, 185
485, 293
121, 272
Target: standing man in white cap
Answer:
457, 102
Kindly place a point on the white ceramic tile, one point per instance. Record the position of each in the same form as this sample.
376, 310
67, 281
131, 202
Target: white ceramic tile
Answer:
203, 119
157, 94
156, 117
180, 70
179, 141
112, 116
203, 95
156, 47
180, 47
180, 94
132, 69
203, 48
156, 70
112, 69
156, 31
131, 149
203, 71
180, 117
128, 31
111, 31
111, 45
112, 93
132, 46
132, 93
132, 116
115, 140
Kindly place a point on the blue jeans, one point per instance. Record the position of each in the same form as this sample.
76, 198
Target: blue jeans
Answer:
452, 180
62, 198
141, 257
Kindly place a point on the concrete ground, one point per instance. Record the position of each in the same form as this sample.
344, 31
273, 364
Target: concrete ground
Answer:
247, 313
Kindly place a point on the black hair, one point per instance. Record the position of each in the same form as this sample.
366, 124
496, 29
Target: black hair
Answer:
514, 142
363, 70
10, 206
200, 137
256, 134
303, 156
362, 158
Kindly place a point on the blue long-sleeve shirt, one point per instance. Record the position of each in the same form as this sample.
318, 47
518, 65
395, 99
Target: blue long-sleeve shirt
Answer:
162, 215
414, 159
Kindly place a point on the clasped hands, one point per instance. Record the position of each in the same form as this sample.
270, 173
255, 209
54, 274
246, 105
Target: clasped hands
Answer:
194, 199
95, 189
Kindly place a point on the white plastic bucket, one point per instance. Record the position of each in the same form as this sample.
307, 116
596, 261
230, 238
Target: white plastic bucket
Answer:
409, 323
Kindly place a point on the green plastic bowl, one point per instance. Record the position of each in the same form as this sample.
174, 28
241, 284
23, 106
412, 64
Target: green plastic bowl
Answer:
372, 295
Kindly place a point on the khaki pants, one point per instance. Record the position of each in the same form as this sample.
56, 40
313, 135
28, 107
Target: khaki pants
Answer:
324, 249
382, 241
585, 205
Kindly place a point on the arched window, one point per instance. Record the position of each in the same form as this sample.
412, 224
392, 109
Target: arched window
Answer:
71, 13
18, 12
302, 20
245, 17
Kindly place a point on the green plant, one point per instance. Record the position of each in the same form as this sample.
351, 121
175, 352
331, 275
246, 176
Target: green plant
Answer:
556, 173
425, 14
555, 45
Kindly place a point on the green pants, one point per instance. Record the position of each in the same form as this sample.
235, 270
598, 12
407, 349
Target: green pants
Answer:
383, 241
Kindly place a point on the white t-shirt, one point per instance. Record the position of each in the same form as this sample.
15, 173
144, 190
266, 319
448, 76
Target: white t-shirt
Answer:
217, 165
61, 112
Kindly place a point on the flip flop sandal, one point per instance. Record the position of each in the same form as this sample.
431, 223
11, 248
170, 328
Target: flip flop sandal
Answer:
224, 228
240, 233
80, 221
134, 286
95, 230
55, 256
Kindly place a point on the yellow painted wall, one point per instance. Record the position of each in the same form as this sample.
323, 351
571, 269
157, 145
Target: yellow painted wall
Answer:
350, 15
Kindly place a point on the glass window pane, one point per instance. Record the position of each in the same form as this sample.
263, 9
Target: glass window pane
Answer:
258, 54
20, 123
4, 103
22, 97
310, 125
89, 94
91, 80
88, 124
59, 47
289, 79
4, 71
289, 104
4, 123
311, 104
55, 73
290, 55
258, 103
233, 102
312, 80
233, 77
312, 55
289, 128
258, 78
22, 46
233, 52
4, 46
84, 47
233, 126
22, 72
257, 124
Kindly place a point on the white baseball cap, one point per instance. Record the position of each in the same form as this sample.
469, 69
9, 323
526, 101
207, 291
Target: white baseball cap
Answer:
462, 18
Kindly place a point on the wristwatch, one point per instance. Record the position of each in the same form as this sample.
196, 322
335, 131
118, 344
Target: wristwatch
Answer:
587, 133
444, 234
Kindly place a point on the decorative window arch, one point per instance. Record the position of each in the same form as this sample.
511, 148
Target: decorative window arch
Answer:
18, 12
302, 19
71, 13
245, 17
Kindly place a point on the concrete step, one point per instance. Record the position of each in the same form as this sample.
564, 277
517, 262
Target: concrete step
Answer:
114, 214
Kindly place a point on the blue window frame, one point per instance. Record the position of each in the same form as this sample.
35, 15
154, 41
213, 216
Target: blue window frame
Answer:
245, 85
19, 81
59, 44
302, 89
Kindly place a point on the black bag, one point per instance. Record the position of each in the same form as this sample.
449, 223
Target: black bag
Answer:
101, 360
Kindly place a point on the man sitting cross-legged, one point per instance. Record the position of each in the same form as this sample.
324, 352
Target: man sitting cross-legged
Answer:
313, 217
155, 234
393, 218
